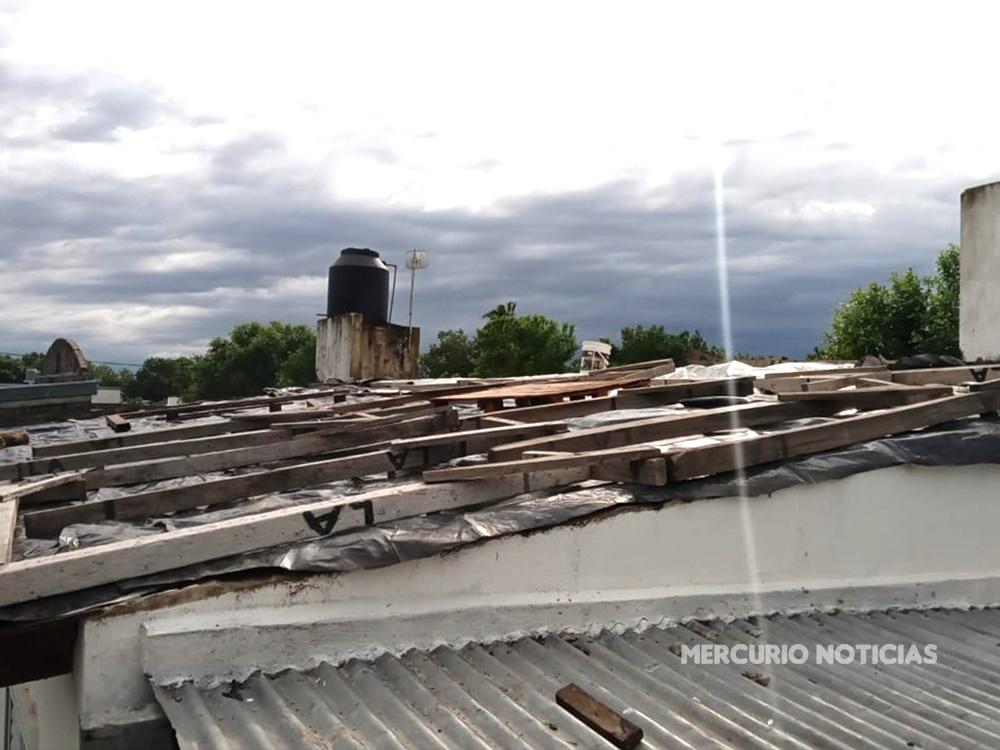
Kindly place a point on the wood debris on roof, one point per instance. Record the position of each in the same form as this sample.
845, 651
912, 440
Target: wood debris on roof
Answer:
412, 434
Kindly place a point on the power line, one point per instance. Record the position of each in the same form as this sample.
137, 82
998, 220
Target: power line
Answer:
95, 361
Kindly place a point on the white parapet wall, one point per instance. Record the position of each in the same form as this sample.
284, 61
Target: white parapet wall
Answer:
902, 536
980, 285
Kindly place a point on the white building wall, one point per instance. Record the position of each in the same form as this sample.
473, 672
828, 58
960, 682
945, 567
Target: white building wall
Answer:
898, 536
980, 286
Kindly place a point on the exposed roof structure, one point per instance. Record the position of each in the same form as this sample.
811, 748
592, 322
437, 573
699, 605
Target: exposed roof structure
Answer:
502, 694
237, 477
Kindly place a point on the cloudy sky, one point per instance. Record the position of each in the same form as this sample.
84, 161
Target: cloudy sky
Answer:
172, 168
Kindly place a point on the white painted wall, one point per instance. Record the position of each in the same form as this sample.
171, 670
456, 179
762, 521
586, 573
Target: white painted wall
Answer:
45, 713
979, 334
903, 535
333, 348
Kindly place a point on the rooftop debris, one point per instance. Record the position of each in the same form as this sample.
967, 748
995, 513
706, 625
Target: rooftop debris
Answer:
248, 450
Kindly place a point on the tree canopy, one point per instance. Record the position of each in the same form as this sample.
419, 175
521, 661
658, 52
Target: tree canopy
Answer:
254, 357
642, 344
453, 355
506, 344
907, 315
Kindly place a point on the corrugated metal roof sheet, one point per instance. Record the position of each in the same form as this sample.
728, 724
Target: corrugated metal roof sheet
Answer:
502, 695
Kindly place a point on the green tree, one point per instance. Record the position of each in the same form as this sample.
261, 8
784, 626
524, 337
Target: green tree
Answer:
908, 315
512, 344
160, 377
111, 378
942, 305
642, 344
11, 369
255, 357
452, 356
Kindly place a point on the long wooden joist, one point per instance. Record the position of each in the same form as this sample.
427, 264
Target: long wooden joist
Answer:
399, 455
129, 439
619, 456
147, 452
632, 398
662, 428
803, 441
228, 405
33, 579
44, 524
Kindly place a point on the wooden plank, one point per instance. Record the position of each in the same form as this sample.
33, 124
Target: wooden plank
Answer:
828, 371
694, 422
24, 490
872, 398
696, 389
548, 412
139, 438
604, 720
73, 491
27, 580
310, 444
815, 382
561, 389
947, 375
46, 524
651, 471
633, 398
547, 463
146, 452
8, 525
644, 370
987, 385
492, 421
477, 441
802, 441
117, 423
228, 405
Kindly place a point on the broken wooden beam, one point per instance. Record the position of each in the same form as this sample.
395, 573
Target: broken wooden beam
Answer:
696, 389
27, 580
16, 437
545, 463
694, 422
117, 423
599, 717
801, 441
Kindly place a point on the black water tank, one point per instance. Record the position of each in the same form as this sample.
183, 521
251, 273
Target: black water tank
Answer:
359, 282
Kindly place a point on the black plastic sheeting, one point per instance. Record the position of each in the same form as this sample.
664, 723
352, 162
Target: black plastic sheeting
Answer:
971, 441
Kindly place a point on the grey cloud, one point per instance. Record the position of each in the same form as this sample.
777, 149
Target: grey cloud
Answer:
603, 258
108, 110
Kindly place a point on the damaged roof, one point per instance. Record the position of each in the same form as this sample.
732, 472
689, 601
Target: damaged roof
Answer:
209, 488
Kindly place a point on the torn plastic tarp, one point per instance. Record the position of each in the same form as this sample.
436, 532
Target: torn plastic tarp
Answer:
970, 441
